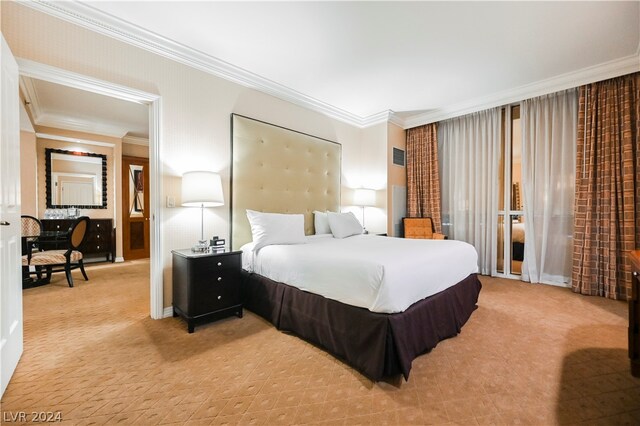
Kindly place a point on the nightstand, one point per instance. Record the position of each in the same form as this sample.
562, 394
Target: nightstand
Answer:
206, 286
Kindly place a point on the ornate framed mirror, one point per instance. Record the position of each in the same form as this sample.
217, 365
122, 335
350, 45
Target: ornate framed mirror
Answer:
75, 179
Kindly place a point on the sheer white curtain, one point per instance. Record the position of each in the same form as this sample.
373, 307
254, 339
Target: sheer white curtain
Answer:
549, 126
468, 151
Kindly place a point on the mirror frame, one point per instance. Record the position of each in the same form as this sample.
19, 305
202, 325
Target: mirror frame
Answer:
48, 152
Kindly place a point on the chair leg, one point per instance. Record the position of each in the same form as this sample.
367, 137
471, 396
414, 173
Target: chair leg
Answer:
84, 274
67, 271
49, 270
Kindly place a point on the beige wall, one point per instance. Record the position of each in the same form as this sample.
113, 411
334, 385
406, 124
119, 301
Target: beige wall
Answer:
396, 175
372, 174
135, 150
196, 110
28, 174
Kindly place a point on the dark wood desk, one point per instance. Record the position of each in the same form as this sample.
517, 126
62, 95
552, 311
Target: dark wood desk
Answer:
634, 314
100, 240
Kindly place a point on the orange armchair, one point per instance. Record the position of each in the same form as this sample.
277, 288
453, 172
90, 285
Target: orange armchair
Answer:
420, 227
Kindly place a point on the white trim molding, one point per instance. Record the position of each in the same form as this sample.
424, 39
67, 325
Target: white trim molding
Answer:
611, 69
86, 126
95, 20
135, 140
30, 96
42, 118
73, 140
154, 101
168, 312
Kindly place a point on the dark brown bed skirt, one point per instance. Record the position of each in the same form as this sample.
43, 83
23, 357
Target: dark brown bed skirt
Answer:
377, 345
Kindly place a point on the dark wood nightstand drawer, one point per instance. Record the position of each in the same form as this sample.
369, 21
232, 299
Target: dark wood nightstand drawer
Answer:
228, 262
219, 291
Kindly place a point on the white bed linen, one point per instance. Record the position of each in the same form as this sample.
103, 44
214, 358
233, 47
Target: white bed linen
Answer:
382, 274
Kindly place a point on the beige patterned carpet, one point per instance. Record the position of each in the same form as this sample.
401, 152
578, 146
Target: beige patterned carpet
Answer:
531, 354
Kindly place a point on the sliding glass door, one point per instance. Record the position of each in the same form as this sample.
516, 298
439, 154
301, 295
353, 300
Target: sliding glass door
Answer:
511, 235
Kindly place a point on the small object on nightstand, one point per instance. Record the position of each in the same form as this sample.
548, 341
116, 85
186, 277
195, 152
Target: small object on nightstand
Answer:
206, 286
217, 242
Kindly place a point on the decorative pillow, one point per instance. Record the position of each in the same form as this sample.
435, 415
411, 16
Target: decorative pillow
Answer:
321, 222
275, 228
344, 224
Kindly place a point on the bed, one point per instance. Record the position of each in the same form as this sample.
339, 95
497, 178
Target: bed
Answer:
279, 170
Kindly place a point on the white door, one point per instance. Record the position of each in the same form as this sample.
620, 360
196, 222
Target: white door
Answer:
10, 247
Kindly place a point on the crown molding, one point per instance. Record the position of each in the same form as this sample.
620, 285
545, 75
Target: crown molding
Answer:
135, 140
73, 140
606, 70
396, 119
95, 20
87, 126
373, 119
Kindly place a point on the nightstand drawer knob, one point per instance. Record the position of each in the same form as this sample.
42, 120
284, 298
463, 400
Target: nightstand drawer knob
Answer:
219, 263
219, 278
219, 297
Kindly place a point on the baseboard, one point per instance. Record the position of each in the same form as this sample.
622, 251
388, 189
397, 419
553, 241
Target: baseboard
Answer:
119, 259
167, 312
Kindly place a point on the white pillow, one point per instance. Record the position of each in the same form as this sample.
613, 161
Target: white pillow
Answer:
344, 224
321, 222
275, 228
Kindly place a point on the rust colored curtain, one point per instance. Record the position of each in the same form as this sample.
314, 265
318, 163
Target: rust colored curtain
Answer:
607, 206
423, 180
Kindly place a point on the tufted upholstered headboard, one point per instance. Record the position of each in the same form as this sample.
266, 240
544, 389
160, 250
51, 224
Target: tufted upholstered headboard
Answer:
278, 170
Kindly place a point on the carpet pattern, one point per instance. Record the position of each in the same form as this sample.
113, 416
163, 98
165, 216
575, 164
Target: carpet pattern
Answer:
531, 354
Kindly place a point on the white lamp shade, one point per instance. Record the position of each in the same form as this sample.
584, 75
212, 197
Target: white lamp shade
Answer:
364, 197
202, 189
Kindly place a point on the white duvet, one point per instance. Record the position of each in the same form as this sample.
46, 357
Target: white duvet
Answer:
381, 274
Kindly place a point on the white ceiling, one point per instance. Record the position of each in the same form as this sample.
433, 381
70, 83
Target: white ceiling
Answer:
363, 58
64, 107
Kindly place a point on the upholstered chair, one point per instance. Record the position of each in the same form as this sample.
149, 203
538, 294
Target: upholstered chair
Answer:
63, 260
420, 227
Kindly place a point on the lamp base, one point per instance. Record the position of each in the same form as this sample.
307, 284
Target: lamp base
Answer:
201, 247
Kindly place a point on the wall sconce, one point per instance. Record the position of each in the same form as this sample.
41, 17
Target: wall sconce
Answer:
364, 197
201, 189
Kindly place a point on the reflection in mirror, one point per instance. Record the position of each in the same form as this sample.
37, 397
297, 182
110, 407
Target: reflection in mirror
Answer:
136, 190
76, 179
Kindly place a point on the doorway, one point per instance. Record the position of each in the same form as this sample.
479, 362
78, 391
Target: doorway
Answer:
55, 75
135, 208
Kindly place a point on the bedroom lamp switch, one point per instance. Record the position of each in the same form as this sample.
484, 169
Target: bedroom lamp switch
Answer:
171, 202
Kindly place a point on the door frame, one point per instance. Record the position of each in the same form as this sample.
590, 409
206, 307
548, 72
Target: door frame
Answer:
126, 205
51, 74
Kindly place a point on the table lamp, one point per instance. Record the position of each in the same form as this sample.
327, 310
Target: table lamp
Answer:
364, 197
201, 189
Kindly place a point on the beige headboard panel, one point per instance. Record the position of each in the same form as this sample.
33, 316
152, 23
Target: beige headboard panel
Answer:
279, 170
